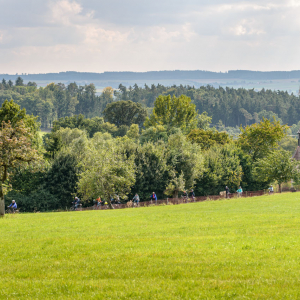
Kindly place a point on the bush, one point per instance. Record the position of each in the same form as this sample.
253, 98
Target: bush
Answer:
40, 200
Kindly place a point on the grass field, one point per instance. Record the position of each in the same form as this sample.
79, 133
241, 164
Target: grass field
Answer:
229, 249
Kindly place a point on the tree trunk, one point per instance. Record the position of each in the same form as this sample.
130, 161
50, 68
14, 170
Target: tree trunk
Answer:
2, 203
279, 187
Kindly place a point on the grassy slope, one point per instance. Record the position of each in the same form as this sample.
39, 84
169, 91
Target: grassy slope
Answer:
230, 249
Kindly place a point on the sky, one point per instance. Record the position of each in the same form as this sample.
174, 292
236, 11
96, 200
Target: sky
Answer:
42, 36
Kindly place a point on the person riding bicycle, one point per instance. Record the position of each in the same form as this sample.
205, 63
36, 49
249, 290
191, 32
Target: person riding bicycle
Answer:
98, 202
153, 197
192, 194
136, 199
227, 191
76, 202
13, 206
240, 191
185, 195
271, 190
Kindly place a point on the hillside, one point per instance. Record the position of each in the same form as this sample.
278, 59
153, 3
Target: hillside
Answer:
239, 248
275, 80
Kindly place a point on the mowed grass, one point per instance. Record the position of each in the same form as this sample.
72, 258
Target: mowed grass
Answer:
229, 249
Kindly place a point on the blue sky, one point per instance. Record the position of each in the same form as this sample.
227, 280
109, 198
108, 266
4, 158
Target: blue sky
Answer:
137, 35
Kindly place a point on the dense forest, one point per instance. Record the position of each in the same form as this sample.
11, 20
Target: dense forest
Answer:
226, 106
128, 150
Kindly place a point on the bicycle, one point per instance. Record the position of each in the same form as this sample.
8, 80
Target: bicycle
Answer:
185, 199
76, 208
11, 210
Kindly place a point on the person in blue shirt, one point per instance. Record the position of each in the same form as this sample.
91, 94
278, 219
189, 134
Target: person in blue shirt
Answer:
153, 197
240, 191
136, 199
13, 206
271, 190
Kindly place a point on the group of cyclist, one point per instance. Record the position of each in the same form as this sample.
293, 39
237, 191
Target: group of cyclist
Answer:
187, 196
135, 200
98, 202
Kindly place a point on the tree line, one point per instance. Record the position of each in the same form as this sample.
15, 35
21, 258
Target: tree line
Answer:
227, 107
171, 150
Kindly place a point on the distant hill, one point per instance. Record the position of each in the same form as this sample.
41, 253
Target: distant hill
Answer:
157, 75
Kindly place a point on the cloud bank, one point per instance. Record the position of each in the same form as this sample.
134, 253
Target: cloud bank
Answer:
139, 35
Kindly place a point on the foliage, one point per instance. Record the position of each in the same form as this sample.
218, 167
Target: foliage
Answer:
173, 112
15, 149
184, 157
151, 170
261, 138
133, 132
46, 186
30, 178
11, 112
91, 126
176, 185
277, 166
288, 143
234, 107
125, 113
208, 138
204, 121
62, 177
222, 168
38, 200
106, 171
154, 134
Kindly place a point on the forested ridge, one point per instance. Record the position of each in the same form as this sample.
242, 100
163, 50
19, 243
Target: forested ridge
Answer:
169, 148
159, 75
233, 107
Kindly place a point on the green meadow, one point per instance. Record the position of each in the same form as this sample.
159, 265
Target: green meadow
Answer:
230, 249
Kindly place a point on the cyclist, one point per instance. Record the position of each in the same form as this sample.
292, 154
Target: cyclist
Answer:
240, 191
13, 206
227, 191
98, 202
76, 203
154, 197
136, 199
271, 190
192, 194
185, 196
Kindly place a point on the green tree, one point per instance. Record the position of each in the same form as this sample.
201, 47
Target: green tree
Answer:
154, 134
203, 121
221, 167
151, 170
15, 149
176, 185
185, 158
208, 138
173, 112
19, 81
277, 166
125, 113
288, 143
62, 177
133, 132
106, 170
260, 139
11, 112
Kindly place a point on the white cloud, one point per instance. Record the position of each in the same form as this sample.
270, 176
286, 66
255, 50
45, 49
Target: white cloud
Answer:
98, 35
